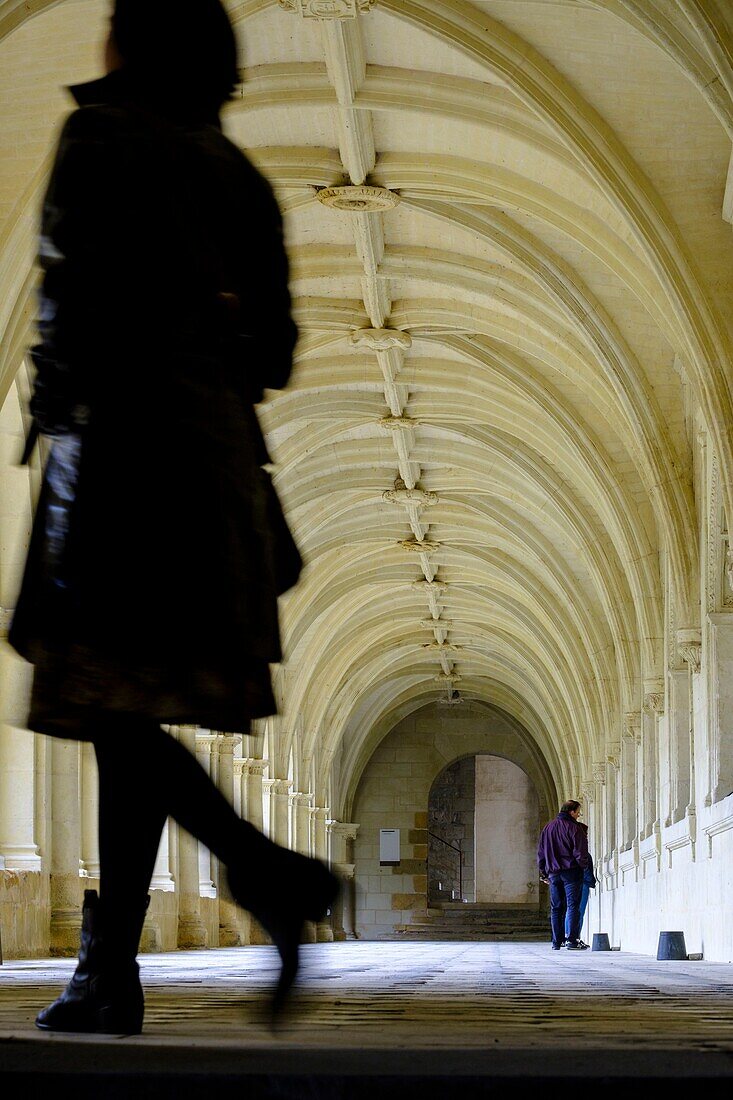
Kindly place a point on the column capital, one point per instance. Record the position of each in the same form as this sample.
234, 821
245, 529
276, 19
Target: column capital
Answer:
632, 726
320, 813
613, 753
256, 767
599, 772
344, 870
278, 787
228, 742
346, 829
206, 740
300, 798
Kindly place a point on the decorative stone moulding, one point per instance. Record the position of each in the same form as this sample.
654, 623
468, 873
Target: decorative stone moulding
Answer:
689, 647
436, 624
442, 646
381, 339
358, 198
396, 423
448, 678
424, 585
410, 496
654, 702
327, 9
613, 753
6, 617
416, 547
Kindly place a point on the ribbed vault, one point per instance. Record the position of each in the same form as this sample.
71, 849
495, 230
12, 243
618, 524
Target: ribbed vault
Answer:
508, 318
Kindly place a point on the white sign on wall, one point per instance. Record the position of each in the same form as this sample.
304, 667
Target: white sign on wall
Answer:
389, 847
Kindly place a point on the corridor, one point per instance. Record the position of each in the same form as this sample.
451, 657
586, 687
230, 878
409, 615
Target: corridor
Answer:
388, 1019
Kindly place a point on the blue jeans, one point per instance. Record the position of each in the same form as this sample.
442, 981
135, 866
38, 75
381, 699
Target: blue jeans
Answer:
584, 895
566, 888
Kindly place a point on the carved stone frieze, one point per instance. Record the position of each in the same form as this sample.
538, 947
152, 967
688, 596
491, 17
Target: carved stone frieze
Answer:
326, 9
257, 767
397, 423
361, 198
689, 647
632, 726
381, 339
410, 496
444, 647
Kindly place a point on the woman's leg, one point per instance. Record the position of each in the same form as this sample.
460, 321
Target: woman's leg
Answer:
281, 888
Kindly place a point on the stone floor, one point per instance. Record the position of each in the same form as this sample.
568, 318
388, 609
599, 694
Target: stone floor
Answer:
387, 1019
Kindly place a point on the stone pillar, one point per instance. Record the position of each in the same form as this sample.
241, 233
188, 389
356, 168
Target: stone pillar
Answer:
629, 792
253, 802
231, 917
255, 795
341, 835
89, 812
611, 801
653, 710
206, 754
162, 878
319, 817
678, 722
65, 848
191, 929
278, 791
18, 848
300, 822
720, 705
301, 841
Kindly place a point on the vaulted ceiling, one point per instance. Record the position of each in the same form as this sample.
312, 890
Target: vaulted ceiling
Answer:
511, 250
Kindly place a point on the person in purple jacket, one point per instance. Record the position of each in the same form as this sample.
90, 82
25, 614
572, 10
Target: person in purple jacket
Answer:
562, 857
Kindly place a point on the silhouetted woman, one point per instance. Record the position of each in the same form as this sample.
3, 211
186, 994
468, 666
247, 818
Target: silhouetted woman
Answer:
158, 548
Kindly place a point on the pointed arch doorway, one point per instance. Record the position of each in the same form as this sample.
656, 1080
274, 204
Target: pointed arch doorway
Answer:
483, 823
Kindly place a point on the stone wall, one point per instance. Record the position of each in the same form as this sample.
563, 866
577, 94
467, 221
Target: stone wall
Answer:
394, 793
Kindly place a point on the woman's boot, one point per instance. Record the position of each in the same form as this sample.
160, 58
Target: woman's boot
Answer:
282, 890
104, 994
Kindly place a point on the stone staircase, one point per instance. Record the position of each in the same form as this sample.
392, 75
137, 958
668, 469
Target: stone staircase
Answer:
478, 921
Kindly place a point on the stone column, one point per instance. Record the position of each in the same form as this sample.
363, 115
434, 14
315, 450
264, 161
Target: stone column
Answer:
18, 840
206, 754
678, 721
720, 704
89, 812
255, 795
65, 848
300, 834
653, 710
319, 817
300, 822
191, 929
610, 802
341, 835
278, 791
231, 917
631, 729
162, 878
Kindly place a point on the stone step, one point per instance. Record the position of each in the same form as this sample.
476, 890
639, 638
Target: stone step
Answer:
430, 932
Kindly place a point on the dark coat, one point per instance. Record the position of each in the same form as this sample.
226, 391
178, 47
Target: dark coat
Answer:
152, 577
563, 844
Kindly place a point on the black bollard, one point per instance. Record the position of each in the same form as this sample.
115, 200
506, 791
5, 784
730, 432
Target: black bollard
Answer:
671, 946
600, 942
